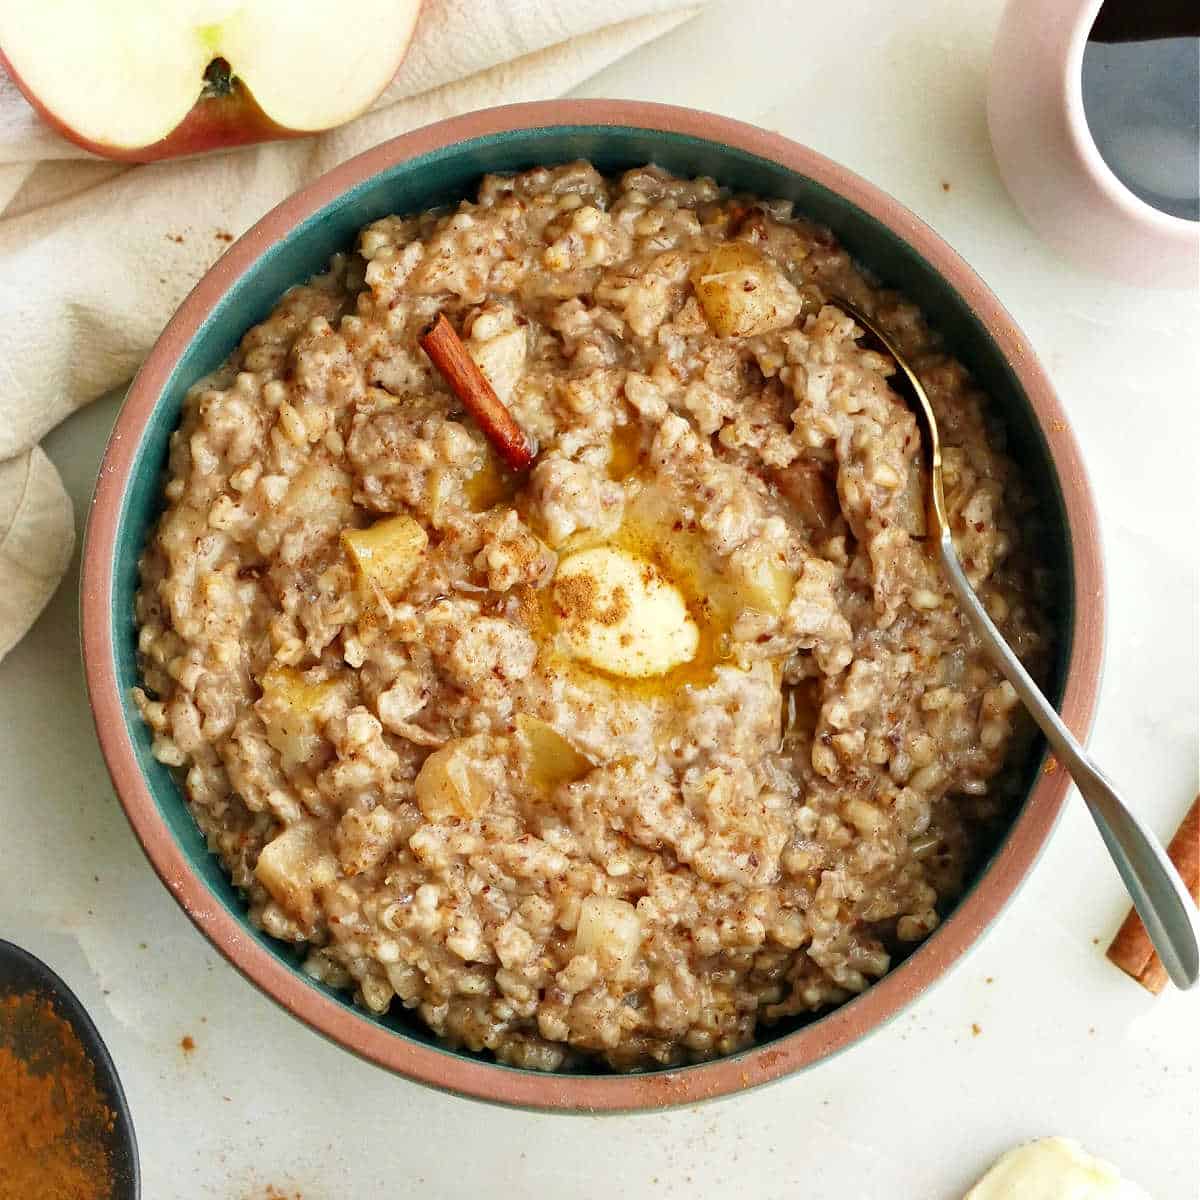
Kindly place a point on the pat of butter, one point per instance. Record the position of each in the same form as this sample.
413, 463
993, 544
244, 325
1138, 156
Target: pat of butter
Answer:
618, 614
1052, 1168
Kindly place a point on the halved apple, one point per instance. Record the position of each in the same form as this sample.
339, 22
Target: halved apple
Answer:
141, 80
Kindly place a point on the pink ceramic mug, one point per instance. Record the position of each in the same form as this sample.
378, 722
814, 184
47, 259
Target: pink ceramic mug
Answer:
1049, 160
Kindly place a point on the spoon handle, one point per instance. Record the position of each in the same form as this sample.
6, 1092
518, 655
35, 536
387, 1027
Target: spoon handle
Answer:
1154, 885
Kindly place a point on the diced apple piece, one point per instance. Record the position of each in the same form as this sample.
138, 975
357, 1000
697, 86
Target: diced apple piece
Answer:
742, 293
295, 745
387, 553
294, 866
729, 256
767, 584
291, 688
450, 784
772, 586
552, 760
807, 487
291, 710
610, 931
501, 359
324, 494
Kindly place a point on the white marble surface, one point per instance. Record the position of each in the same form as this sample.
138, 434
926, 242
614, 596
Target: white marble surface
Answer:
1065, 1043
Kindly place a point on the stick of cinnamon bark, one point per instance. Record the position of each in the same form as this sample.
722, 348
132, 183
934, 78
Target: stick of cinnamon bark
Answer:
452, 359
1131, 949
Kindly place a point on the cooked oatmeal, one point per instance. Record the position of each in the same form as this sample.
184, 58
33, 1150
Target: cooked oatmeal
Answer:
675, 735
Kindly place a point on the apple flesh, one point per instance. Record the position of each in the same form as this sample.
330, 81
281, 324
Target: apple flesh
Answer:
140, 80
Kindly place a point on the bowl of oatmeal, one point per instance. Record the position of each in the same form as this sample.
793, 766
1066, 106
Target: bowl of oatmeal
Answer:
610, 741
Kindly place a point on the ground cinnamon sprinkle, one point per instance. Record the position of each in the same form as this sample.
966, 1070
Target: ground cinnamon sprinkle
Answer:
575, 597
53, 1119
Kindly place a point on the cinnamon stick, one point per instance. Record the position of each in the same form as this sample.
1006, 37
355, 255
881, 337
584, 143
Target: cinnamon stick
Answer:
1131, 949
452, 359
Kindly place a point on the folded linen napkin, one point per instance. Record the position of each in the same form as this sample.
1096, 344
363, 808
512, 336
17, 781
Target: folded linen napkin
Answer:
95, 256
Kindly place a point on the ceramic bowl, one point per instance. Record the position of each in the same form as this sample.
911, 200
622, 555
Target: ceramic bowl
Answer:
442, 163
24, 974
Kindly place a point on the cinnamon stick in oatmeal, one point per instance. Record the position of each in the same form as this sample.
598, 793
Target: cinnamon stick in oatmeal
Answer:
452, 359
1131, 949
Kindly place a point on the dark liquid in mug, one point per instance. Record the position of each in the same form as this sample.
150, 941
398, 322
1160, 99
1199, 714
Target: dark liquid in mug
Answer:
1141, 98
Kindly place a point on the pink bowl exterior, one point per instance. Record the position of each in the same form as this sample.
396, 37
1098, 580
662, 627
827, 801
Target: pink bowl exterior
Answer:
1049, 161
465, 1076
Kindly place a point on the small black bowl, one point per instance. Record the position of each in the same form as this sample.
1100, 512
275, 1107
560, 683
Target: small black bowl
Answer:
20, 973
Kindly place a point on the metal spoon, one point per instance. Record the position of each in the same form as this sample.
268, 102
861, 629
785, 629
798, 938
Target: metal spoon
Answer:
1158, 894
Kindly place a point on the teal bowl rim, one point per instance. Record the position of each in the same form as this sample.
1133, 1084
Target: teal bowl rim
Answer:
127, 473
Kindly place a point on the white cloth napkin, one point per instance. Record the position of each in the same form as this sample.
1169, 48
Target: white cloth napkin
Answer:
94, 257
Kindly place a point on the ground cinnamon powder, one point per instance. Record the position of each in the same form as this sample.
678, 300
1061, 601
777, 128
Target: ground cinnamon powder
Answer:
53, 1119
